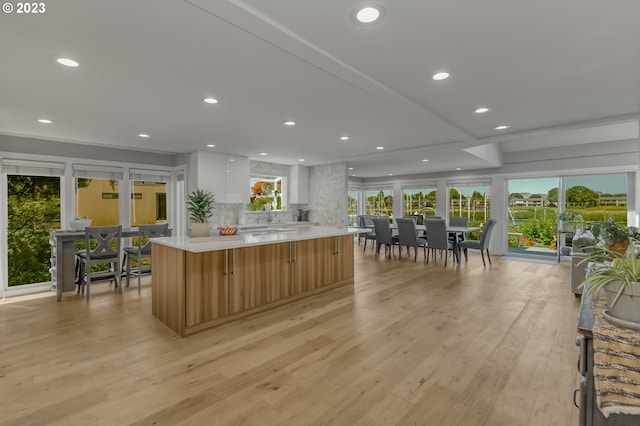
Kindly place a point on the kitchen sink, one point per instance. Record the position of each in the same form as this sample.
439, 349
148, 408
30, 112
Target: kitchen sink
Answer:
272, 230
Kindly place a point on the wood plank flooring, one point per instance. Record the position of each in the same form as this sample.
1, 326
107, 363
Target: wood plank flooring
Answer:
408, 344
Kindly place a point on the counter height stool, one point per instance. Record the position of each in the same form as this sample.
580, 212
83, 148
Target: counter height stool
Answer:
106, 240
143, 249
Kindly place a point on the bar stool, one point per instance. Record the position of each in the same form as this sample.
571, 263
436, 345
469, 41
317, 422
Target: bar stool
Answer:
143, 249
106, 252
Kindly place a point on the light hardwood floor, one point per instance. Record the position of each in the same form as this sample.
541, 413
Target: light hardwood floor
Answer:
408, 344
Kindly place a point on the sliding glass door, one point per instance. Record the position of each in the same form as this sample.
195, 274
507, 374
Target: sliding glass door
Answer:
32, 210
532, 211
534, 206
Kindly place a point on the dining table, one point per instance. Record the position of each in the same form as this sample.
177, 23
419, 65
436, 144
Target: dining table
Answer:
452, 230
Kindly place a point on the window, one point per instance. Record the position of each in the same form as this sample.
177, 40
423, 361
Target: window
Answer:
266, 193
598, 197
98, 194
352, 207
148, 196
472, 200
419, 201
379, 202
33, 209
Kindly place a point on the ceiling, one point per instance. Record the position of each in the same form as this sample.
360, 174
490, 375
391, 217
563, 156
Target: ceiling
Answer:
557, 72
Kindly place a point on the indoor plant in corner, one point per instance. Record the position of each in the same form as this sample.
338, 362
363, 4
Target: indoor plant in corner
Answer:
618, 275
200, 204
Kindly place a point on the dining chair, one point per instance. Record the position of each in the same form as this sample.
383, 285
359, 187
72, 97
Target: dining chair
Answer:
102, 249
143, 248
407, 237
482, 244
458, 221
419, 220
384, 236
366, 222
438, 238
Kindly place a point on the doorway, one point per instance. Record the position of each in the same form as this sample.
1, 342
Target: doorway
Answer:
532, 211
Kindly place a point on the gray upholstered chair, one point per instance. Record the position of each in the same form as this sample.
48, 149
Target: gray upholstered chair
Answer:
366, 222
437, 237
482, 244
143, 249
407, 237
458, 221
106, 242
384, 236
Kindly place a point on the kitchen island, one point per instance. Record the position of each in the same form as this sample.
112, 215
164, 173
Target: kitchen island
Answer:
199, 283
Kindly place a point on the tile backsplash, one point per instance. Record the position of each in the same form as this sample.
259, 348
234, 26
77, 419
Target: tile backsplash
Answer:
234, 214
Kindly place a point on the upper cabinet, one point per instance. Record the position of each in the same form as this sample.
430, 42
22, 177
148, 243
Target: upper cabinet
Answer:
226, 176
299, 185
237, 179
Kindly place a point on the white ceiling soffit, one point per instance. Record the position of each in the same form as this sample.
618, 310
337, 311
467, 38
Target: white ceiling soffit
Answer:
572, 136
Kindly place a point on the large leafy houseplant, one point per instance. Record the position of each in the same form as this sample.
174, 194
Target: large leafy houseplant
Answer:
618, 274
617, 236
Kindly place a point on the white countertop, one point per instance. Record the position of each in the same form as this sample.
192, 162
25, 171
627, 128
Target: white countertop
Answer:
273, 224
297, 233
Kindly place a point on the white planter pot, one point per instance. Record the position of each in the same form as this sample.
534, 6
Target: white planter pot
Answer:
200, 229
627, 307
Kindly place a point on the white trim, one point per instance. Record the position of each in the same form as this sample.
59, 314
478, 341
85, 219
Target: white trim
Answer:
32, 168
97, 172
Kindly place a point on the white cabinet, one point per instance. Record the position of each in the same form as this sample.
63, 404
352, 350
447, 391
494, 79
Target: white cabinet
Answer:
237, 181
299, 185
226, 176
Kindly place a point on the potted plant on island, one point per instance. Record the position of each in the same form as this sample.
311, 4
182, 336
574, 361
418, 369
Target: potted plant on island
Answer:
618, 275
200, 204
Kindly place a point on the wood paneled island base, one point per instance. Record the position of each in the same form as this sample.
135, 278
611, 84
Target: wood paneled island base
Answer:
197, 284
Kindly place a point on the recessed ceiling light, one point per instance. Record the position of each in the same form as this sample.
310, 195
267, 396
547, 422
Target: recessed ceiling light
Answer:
263, 153
289, 123
67, 62
344, 138
44, 121
458, 168
350, 168
441, 76
379, 147
143, 135
390, 174
482, 110
211, 100
368, 14
301, 159
425, 160
501, 127
211, 145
